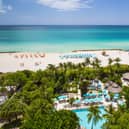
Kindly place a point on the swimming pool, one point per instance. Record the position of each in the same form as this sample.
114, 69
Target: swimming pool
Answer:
82, 113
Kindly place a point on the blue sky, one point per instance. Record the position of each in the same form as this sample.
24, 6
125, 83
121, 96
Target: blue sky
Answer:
82, 12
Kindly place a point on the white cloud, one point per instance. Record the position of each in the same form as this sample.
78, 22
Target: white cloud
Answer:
9, 8
4, 8
66, 5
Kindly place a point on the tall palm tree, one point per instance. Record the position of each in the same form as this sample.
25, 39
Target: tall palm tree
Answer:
12, 108
87, 62
93, 64
61, 65
117, 60
111, 117
70, 65
125, 93
71, 100
51, 67
110, 61
96, 63
109, 110
65, 67
94, 115
84, 86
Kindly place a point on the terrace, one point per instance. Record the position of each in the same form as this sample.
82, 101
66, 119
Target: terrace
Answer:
98, 94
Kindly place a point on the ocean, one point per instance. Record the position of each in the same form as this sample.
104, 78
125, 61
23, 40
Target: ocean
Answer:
59, 38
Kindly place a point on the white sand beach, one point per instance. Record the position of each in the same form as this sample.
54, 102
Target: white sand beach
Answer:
11, 62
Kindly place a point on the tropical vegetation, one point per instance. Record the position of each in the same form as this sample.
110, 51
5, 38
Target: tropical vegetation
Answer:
30, 95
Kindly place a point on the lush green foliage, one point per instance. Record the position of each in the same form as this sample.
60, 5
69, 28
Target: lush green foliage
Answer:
30, 101
54, 120
118, 119
31, 94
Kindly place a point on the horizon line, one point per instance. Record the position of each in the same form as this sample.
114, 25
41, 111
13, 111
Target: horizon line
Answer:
64, 25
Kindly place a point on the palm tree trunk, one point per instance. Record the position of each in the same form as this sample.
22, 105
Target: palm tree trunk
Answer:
92, 126
16, 116
9, 120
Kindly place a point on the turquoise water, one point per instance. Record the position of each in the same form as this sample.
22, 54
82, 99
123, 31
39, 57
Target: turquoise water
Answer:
82, 114
62, 38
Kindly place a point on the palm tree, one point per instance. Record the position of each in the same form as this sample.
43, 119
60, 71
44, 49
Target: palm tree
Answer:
94, 115
71, 100
109, 110
84, 86
87, 62
51, 67
117, 60
112, 117
65, 67
125, 93
93, 64
110, 61
12, 108
96, 63
61, 65
70, 65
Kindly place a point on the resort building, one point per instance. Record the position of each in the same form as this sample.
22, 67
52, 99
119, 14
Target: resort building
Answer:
114, 88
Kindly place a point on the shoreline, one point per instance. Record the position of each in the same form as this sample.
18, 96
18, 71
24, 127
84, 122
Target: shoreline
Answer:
10, 52
80, 50
99, 50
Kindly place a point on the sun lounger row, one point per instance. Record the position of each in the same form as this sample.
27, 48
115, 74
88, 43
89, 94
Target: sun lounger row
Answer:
29, 56
86, 55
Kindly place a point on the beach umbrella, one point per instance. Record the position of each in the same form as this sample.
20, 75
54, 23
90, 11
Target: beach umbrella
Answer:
63, 97
105, 92
91, 100
86, 101
113, 89
99, 99
116, 95
107, 97
85, 95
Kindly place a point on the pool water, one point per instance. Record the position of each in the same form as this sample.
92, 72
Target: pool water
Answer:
82, 114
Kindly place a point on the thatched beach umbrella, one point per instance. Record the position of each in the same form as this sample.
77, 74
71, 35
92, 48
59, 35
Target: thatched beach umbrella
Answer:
115, 89
126, 76
107, 85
